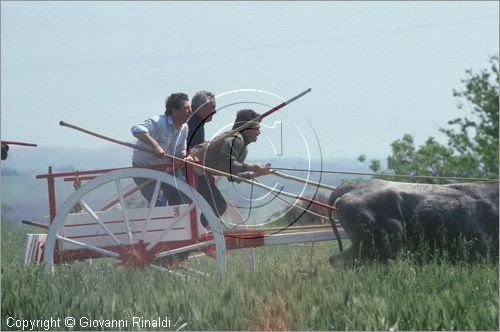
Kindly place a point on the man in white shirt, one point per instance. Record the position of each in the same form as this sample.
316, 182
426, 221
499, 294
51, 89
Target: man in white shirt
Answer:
165, 134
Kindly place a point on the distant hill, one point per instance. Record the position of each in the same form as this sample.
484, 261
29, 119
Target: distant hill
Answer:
24, 197
36, 160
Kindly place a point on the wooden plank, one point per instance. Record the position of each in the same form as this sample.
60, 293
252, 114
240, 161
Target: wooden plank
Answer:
82, 227
301, 237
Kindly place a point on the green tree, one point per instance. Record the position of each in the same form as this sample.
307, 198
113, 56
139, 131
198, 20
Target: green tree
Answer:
472, 148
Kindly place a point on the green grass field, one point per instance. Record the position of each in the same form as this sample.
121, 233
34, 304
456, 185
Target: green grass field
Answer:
292, 288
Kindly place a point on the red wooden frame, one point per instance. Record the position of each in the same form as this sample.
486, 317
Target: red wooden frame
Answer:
136, 254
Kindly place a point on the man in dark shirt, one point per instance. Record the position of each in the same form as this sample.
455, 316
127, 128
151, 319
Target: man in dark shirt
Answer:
203, 106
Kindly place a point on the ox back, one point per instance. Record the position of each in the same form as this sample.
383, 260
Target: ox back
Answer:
382, 216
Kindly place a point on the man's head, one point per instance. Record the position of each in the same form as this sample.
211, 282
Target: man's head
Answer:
177, 106
203, 104
243, 116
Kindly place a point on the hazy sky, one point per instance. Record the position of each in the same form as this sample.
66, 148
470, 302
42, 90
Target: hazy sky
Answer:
377, 70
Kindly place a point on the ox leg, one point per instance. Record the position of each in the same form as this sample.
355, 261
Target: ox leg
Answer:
394, 230
383, 241
344, 258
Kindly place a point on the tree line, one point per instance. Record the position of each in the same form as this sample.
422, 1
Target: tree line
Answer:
472, 146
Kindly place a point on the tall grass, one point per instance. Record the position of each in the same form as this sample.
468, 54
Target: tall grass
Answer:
292, 288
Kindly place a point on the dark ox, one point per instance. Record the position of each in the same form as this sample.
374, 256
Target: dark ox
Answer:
380, 217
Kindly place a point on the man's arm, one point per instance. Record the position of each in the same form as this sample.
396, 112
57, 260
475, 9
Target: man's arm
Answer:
145, 137
181, 147
227, 160
143, 132
259, 169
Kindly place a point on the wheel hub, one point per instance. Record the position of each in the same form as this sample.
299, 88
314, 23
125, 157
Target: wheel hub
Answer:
137, 255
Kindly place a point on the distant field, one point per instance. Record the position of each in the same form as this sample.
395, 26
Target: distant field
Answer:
25, 197
292, 288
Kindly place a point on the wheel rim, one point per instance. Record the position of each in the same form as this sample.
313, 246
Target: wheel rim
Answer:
126, 241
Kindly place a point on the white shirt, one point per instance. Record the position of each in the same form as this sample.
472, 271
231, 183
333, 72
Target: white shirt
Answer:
161, 128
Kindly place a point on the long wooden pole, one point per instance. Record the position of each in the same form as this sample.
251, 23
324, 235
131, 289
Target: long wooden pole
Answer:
83, 130
233, 132
306, 181
284, 228
196, 165
145, 149
385, 175
18, 143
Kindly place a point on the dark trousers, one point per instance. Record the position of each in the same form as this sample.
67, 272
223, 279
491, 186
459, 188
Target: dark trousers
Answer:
207, 188
168, 195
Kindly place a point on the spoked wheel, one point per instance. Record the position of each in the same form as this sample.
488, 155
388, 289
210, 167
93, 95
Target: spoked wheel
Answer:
133, 234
